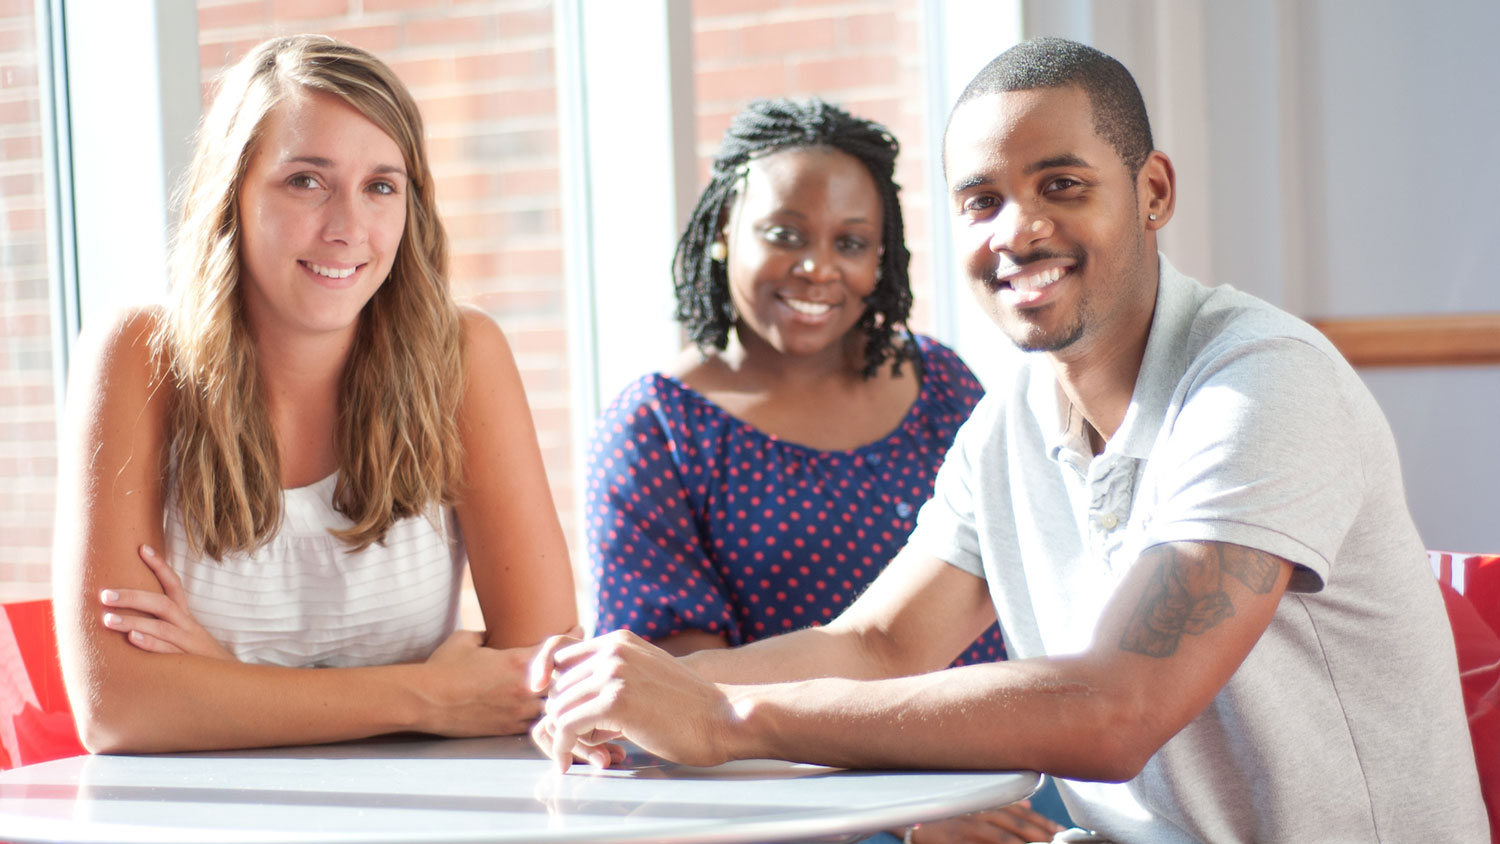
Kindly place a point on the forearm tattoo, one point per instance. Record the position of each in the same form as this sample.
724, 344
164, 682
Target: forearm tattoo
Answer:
1186, 594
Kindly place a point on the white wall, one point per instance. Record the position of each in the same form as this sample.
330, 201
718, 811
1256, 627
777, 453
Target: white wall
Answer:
1371, 128
1445, 421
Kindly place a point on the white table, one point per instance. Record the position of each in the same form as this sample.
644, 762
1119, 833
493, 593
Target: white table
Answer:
452, 791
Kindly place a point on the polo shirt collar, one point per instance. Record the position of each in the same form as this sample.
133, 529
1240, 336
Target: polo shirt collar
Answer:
1161, 370
1162, 367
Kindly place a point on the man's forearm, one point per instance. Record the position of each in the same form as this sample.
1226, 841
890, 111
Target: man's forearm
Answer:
802, 655
1032, 714
917, 616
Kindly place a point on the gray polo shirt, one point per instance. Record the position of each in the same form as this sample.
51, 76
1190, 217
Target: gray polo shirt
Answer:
1345, 722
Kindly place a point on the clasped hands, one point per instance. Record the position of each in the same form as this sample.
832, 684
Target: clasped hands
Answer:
669, 711
674, 713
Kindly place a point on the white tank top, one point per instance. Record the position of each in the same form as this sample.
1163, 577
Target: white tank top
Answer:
305, 600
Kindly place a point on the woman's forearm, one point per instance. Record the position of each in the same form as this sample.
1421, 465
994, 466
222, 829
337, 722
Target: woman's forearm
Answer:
131, 701
181, 702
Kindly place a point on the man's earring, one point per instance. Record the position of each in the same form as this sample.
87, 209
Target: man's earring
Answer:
717, 252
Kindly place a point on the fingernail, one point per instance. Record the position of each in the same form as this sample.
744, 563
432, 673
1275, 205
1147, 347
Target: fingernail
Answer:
109, 596
148, 550
112, 620
137, 636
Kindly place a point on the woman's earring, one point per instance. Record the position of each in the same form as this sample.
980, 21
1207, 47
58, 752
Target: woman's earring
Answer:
717, 252
1151, 217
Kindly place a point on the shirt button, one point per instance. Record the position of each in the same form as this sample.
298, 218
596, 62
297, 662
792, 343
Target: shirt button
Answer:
903, 509
873, 460
1109, 521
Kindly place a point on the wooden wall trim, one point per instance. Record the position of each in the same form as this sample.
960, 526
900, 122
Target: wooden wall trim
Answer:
1454, 340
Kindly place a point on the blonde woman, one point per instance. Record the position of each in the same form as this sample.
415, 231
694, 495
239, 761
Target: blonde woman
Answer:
270, 486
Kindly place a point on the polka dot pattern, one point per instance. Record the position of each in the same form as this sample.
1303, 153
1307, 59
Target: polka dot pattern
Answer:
699, 521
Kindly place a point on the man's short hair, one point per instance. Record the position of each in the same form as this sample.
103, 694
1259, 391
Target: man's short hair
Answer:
1119, 112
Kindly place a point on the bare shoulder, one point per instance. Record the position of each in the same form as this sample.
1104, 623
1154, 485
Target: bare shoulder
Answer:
111, 467
703, 371
116, 354
126, 331
493, 392
485, 345
479, 328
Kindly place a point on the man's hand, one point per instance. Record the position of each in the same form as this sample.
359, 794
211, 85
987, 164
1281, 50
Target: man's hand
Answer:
620, 686
167, 626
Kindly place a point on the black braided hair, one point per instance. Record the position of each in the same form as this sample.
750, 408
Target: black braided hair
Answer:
769, 126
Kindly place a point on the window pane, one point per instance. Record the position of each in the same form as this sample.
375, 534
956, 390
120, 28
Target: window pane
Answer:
28, 419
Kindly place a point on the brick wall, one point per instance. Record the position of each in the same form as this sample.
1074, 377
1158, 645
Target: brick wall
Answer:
28, 452
482, 71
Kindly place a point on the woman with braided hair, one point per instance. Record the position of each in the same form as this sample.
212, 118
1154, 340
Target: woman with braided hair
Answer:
760, 483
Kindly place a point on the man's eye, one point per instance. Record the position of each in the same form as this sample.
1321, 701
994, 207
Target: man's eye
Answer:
1062, 183
979, 204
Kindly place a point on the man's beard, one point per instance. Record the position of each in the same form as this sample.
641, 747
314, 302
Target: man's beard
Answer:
1032, 341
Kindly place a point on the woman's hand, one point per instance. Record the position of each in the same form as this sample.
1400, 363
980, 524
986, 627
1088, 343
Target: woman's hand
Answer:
1013, 824
167, 627
479, 691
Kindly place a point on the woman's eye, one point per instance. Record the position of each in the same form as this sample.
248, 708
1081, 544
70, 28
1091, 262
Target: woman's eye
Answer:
302, 180
783, 236
384, 188
852, 245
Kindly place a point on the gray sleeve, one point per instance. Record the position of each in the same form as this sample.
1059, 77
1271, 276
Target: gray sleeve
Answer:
1264, 453
945, 524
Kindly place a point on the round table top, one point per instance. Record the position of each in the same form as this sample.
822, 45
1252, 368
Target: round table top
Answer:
451, 791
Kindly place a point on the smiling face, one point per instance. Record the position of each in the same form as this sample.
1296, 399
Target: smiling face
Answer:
1051, 228
322, 208
804, 246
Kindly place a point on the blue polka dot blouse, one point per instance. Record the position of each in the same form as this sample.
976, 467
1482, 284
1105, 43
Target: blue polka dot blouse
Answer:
699, 521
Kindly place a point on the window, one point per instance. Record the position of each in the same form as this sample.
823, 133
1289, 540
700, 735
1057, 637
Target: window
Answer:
485, 73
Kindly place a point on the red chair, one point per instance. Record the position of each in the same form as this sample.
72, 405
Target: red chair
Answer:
1476, 577
1471, 589
36, 722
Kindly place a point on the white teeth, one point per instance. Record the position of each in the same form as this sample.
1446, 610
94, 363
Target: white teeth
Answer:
1036, 281
809, 308
329, 272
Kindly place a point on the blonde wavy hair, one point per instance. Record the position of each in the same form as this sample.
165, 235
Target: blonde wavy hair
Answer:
397, 429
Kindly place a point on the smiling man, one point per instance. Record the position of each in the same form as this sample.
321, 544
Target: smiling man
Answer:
1185, 506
